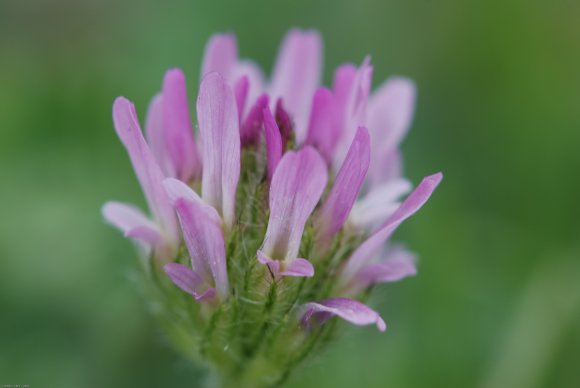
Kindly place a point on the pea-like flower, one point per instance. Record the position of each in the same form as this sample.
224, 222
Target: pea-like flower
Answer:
277, 214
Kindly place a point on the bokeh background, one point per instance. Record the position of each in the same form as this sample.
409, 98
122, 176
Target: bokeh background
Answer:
497, 302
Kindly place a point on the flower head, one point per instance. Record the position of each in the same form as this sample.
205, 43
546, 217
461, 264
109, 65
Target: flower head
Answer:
277, 214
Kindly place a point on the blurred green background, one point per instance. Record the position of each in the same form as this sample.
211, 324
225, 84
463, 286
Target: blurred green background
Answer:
497, 301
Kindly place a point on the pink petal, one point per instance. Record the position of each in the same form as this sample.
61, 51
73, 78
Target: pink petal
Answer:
177, 129
188, 281
201, 226
297, 75
241, 88
399, 264
345, 189
273, 142
378, 204
273, 265
390, 114
296, 187
145, 233
284, 124
391, 110
220, 136
344, 78
385, 167
298, 268
350, 310
177, 190
155, 135
208, 294
253, 73
293, 267
352, 100
133, 223
250, 130
370, 247
361, 91
324, 128
183, 277
221, 55
146, 168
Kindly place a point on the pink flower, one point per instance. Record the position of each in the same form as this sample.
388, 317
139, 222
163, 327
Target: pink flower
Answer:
293, 179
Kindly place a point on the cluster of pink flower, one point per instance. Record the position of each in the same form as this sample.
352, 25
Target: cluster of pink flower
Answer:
331, 162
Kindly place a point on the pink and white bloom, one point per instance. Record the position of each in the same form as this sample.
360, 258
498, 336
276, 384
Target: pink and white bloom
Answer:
284, 178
